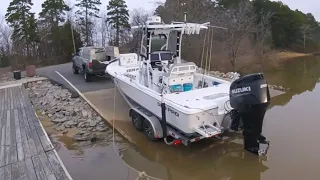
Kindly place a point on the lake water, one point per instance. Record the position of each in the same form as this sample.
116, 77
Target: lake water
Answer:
291, 124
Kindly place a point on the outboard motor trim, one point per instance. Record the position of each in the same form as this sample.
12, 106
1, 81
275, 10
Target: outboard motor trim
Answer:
250, 98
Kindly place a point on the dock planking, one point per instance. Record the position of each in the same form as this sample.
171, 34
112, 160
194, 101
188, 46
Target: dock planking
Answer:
25, 150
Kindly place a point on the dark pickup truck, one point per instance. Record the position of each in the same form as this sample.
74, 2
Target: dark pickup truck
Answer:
90, 61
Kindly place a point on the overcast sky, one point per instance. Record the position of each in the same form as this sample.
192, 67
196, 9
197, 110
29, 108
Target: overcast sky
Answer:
305, 6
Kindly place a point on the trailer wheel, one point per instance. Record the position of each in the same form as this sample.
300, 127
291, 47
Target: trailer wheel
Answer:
137, 120
148, 130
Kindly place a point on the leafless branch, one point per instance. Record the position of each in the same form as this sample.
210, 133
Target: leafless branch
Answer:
5, 36
139, 16
262, 32
240, 21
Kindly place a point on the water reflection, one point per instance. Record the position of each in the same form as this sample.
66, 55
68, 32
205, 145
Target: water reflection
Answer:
79, 147
97, 160
204, 160
300, 75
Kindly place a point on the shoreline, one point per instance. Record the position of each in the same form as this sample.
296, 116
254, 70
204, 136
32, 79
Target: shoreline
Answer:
287, 55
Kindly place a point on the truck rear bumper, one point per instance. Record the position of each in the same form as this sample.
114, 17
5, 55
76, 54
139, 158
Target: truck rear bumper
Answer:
98, 68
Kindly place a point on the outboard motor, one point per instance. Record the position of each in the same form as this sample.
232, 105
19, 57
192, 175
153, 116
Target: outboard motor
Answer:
250, 98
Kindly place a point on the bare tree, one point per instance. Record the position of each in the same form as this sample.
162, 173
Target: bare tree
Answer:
95, 31
5, 36
262, 32
174, 10
307, 33
239, 22
107, 34
103, 29
139, 16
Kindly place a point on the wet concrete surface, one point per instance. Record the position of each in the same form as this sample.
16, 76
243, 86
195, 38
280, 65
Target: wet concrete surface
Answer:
97, 161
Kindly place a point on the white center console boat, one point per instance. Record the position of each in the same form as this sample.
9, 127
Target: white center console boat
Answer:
169, 99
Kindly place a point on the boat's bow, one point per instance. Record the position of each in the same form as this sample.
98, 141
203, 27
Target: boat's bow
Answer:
123, 64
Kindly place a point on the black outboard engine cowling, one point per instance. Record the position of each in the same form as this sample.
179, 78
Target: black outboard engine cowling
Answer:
250, 98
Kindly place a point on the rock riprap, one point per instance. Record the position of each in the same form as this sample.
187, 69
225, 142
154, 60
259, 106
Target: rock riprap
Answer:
55, 103
230, 75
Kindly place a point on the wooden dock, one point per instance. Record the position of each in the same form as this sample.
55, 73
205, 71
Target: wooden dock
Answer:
26, 152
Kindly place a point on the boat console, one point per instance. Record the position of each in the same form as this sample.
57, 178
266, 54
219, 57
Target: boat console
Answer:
158, 59
250, 98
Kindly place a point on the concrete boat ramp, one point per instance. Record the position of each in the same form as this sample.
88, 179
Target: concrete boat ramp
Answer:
26, 152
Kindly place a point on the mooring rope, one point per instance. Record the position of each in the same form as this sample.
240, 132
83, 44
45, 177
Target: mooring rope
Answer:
141, 174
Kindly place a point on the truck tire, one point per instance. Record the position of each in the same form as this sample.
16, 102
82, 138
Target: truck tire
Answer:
87, 76
137, 120
148, 131
75, 69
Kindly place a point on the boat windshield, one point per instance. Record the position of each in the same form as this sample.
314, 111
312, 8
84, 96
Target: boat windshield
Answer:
158, 42
163, 56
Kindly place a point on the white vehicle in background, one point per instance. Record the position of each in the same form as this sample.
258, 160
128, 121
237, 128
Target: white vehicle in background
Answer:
90, 61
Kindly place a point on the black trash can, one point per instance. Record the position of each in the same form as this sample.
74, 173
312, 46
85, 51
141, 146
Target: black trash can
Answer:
17, 75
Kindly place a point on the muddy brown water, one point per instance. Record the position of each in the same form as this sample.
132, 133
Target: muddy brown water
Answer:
291, 124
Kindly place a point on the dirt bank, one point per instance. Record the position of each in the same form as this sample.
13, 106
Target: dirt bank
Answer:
291, 55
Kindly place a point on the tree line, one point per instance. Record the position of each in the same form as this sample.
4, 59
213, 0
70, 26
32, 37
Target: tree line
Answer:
59, 30
252, 27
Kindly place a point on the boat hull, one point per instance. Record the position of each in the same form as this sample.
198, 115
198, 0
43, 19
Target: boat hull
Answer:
183, 122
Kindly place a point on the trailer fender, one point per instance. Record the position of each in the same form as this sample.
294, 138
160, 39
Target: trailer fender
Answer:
157, 128
154, 121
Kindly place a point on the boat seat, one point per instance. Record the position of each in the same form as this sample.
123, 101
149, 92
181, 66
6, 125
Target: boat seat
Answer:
175, 70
